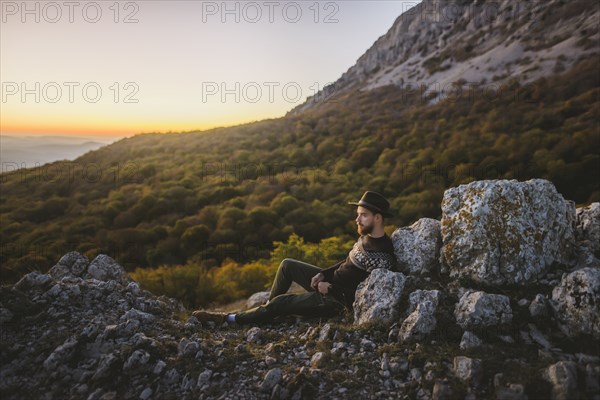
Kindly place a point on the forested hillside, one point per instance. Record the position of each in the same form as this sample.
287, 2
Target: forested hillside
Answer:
202, 197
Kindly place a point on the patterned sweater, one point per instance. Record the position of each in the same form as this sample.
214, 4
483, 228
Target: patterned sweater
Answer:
367, 254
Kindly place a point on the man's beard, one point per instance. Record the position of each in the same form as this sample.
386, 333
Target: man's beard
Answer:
365, 229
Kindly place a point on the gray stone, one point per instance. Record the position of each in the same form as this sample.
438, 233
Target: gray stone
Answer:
254, 335
563, 378
421, 322
71, 264
576, 302
257, 299
104, 268
482, 309
417, 247
317, 359
33, 280
506, 232
467, 369
538, 307
378, 296
470, 340
272, 378
588, 226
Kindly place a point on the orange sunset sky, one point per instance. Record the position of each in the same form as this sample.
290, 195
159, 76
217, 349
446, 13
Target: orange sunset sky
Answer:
115, 69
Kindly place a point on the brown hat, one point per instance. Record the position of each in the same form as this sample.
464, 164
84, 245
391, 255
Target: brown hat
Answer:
374, 202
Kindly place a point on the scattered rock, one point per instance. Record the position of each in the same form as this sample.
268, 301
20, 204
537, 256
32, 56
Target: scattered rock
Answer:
476, 309
378, 296
506, 232
417, 247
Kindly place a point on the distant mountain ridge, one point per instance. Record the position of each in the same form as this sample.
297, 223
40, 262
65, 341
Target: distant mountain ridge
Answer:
440, 47
30, 151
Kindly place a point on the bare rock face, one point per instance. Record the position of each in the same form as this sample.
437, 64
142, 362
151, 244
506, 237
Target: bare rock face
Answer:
506, 232
421, 320
417, 247
378, 296
576, 302
477, 309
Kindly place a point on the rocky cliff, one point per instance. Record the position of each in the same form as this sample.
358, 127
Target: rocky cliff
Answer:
499, 299
450, 48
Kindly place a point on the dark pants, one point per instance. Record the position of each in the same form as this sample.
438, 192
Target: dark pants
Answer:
282, 303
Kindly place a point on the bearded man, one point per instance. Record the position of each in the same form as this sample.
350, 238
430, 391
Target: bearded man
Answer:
329, 291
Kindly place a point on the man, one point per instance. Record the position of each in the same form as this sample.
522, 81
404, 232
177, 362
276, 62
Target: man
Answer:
328, 291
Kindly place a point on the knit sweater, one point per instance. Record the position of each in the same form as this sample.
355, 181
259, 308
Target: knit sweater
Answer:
367, 254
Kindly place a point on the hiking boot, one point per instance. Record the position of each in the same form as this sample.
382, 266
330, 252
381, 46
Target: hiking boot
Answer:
205, 316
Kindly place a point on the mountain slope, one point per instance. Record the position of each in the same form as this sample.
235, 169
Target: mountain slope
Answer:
442, 46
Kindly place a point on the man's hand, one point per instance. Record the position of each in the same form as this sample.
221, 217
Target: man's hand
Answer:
324, 287
314, 282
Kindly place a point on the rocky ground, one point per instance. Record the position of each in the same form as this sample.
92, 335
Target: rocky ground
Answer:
85, 330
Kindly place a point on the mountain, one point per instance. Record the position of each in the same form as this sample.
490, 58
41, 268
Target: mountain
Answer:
201, 198
30, 151
444, 48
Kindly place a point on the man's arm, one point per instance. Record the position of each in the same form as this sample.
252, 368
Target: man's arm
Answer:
328, 272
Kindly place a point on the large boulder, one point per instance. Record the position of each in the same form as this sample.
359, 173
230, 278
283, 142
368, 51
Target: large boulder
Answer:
506, 232
378, 296
480, 309
417, 247
576, 302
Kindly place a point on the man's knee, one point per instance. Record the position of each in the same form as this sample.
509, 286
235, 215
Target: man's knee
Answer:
285, 265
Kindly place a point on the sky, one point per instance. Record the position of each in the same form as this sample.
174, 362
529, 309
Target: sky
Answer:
118, 68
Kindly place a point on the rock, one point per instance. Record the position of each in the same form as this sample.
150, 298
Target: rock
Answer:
33, 280
421, 322
576, 302
204, 378
254, 335
378, 296
146, 393
104, 268
538, 307
588, 226
442, 390
317, 359
272, 378
467, 369
61, 354
476, 309
71, 264
257, 299
506, 232
563, 378
324, 333
423, 296
470, 341
514, 391
417, 247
